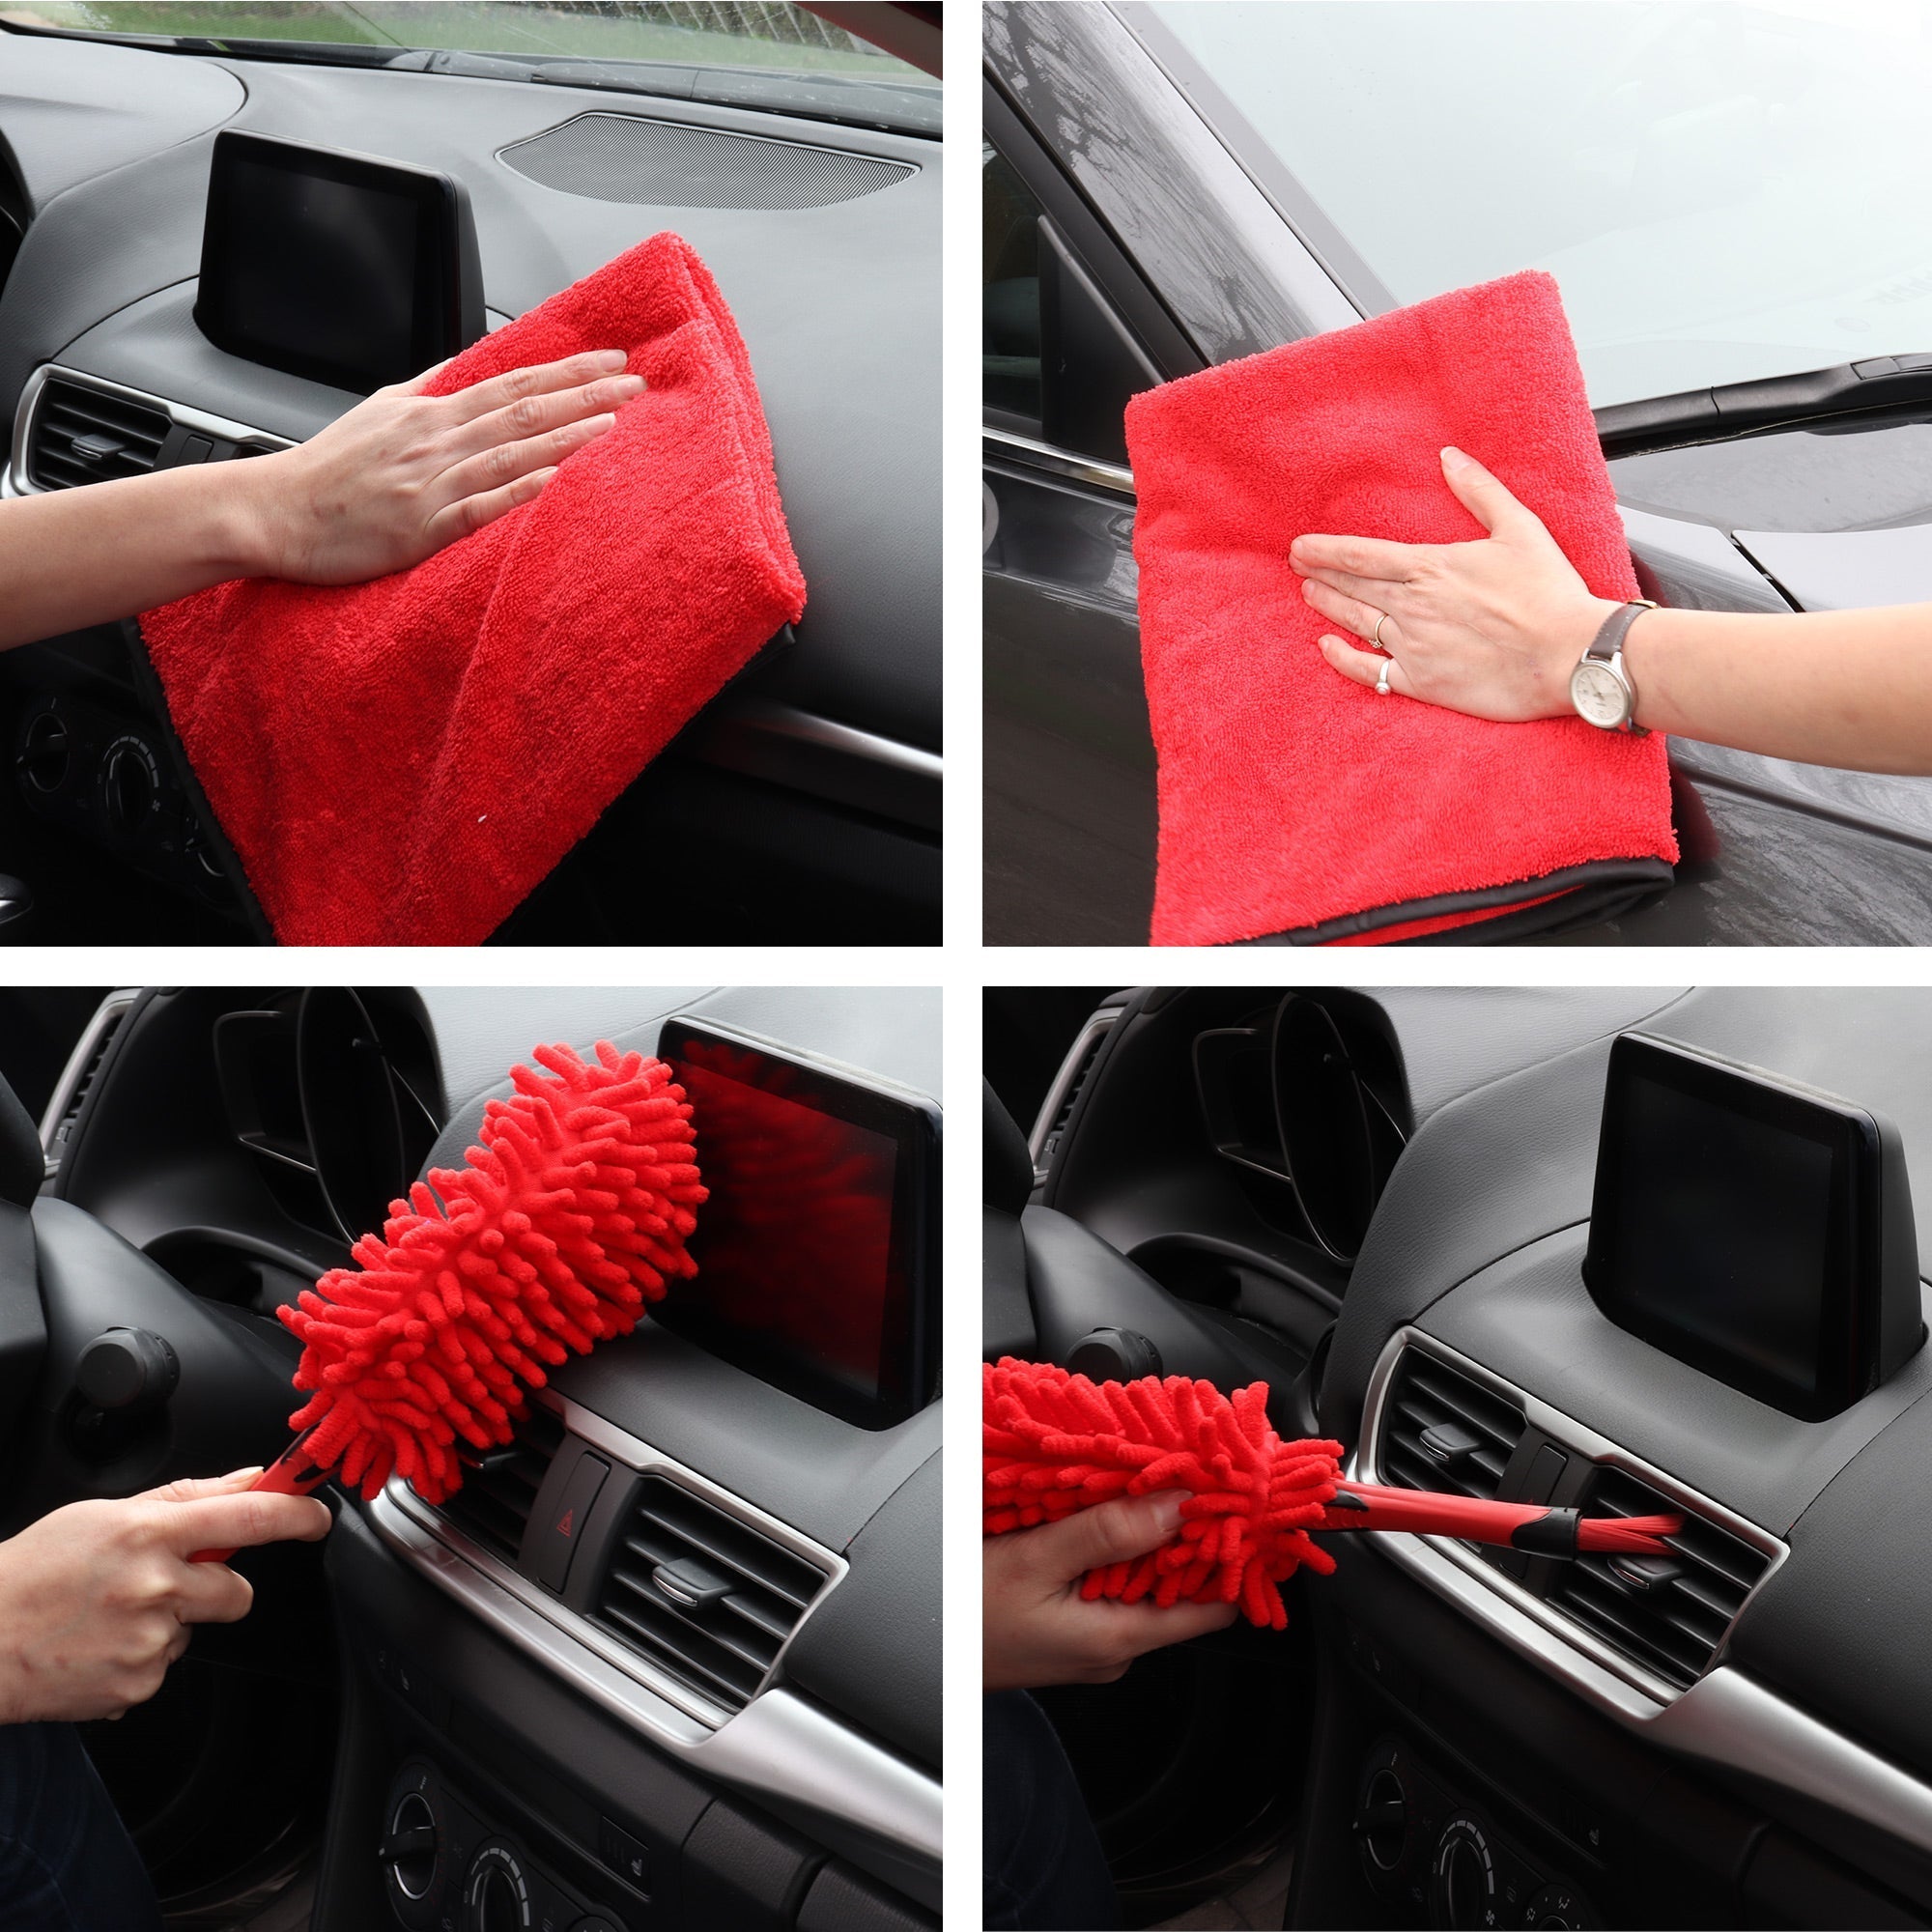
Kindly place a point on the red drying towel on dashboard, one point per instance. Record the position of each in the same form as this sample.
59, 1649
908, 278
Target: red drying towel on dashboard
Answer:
1293, 802
401, 763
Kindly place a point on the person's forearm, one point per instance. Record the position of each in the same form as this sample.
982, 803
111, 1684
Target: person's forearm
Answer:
74, 557
1845, 688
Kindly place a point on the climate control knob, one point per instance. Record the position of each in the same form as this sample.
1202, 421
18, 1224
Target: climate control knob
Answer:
1464, 1876
410, 1849
1382, 1819
497, 1895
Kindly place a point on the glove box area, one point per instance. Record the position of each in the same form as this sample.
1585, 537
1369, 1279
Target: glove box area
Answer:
475, 1792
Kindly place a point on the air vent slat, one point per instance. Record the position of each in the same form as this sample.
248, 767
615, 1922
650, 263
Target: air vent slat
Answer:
1426, 1394
66, 409
1674, 1631
1076, 1084
726, 1645
494, 1505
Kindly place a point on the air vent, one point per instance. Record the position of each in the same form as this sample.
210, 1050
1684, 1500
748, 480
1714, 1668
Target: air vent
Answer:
82, 435
705, 1597
667, 164
1067, 1086
1668, 1615
500, 1492
1442, 1430
57, 1135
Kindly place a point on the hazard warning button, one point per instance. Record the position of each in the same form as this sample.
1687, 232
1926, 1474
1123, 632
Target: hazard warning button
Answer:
555, 1541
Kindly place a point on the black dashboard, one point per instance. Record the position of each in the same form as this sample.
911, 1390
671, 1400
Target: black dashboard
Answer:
1743, 1736
521, 1723
827, 754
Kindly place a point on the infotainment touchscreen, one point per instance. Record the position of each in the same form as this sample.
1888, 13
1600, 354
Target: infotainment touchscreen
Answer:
351, 271
1757, 1229
817, 1250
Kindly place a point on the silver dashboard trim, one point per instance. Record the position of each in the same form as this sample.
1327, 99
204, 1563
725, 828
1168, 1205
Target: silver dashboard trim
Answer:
778, 1744
107, 1016
1727, 1718
1059, 461
16, 483
1097, 1024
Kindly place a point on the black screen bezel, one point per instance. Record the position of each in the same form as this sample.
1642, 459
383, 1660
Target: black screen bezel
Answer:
907, 1353
446, 310
1849, 1324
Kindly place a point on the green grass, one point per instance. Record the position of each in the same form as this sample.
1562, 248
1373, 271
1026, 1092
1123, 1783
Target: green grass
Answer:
478, 26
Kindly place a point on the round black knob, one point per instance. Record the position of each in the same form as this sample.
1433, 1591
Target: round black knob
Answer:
1114, 1355
1381, 1821
131, 1369
130, 785
409, 1850
44, 753
1465, 1879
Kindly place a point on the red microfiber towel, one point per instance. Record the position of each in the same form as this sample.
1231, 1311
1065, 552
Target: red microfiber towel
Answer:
399, 762
1293, 802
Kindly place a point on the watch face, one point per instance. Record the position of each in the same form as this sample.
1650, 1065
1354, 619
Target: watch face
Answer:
1599, 694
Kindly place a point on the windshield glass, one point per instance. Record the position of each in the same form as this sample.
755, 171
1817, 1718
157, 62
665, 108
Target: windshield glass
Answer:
771, 35
1722, 192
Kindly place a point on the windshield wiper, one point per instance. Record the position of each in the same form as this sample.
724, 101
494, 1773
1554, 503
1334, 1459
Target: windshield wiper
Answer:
1734, 408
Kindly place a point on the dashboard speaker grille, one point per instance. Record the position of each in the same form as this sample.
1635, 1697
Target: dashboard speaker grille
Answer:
82, 435
500, 1492
703, 1595
1442, 1430
629, 159
1668, 1615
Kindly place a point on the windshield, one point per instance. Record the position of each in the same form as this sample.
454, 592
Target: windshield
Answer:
1723, 192
769, 36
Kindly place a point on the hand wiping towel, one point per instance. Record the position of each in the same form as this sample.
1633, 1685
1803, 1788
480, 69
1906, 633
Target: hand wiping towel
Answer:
1296, 806
399, 762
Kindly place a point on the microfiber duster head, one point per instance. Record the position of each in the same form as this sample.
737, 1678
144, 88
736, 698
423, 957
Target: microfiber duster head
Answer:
1055, 1443
571, 1215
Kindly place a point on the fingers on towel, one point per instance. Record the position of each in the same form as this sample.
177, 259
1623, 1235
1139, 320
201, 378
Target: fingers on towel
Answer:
1344, 609
537, 379
1366, 666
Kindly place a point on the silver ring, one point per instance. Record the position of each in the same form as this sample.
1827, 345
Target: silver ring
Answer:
1377, 638
1382, 682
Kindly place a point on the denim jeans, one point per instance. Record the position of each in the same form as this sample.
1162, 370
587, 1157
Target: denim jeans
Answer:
1044, 1872
67, 1863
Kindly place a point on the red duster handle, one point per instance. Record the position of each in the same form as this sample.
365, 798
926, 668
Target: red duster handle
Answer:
291, 1474
1536, 1527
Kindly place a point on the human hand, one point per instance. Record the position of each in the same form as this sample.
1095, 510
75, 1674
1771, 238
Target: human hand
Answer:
1491, 627
97, 1599
1038, 1631
402, 473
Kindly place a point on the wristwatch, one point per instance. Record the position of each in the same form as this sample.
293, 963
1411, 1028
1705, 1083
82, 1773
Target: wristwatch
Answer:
1599, 687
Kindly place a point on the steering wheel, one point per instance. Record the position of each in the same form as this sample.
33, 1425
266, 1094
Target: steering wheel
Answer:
118, 1377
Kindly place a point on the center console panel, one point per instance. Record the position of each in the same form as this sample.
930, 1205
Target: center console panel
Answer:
477, 1792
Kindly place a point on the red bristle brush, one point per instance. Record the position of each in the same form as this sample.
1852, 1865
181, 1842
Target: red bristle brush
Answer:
1055, 1443
571, 1215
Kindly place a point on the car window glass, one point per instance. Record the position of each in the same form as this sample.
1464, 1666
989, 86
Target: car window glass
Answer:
1724, 192
1010, 297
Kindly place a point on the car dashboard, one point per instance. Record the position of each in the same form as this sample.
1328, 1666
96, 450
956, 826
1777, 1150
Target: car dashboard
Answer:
1741, 1735
527, 1725
824, 242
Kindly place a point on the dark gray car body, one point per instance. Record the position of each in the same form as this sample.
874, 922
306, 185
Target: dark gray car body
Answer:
1202, 263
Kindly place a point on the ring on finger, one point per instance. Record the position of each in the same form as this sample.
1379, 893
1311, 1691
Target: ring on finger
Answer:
1383, 679
1377, 638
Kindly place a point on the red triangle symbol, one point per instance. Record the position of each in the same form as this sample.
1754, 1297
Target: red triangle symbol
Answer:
564, 1527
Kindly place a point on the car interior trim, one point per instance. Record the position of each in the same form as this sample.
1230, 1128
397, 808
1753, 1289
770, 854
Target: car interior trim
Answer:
778, 1744
1653, 1692
1063, 1083
1727, 1718
1077, 469
107, 1016
642, 1458
18, 483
